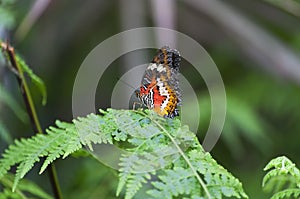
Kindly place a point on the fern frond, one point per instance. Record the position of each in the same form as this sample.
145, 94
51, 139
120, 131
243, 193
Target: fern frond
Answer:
60, 141
42, 145
26, 152
13, 155
58, 148
283, 178
134, 183
132, 173
181, 181
287, 194
219, 180
94, 129
174, 182
149, 142
281, 162
182, 171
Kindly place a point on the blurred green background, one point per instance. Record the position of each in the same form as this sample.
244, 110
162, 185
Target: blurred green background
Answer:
255, 44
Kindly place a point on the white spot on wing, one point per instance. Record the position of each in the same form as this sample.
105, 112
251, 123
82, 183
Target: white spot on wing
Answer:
159, 68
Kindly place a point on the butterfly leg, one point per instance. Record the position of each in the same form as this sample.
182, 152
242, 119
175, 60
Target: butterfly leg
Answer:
136, 103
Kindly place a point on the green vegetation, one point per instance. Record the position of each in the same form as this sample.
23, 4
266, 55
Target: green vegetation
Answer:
188, 173
255, 45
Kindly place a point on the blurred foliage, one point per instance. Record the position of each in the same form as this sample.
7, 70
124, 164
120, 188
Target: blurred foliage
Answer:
253, 106
7, 99
91, 179
7, 16
26, 189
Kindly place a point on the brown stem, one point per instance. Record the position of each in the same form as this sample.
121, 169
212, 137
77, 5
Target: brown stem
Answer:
31, 111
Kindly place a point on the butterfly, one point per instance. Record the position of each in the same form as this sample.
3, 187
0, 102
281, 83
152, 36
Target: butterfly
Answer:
159, 88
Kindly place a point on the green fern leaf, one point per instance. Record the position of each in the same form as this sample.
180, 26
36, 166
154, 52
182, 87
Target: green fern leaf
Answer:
217, 179
174, 182
123, 178
26, 152
59, 141
182, 178
282, 179
134, 183
132, 174
13, 155
94, 130
64, 141
150, 143
287, 194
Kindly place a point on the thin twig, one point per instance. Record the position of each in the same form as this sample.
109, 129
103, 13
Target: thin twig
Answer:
31, 111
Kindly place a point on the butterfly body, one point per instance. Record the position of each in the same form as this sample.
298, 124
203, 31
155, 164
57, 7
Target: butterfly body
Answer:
159, 88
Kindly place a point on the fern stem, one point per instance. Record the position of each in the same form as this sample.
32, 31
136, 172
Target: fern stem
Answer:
30, 110
185, 158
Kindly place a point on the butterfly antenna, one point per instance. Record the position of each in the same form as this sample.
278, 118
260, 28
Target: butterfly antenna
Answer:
119, 79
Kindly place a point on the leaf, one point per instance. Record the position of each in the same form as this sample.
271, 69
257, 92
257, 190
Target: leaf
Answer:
287, 193
179, 176
38, 82
282, 179
157, 150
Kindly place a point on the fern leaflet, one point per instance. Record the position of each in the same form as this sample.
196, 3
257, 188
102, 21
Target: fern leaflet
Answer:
160, 151
282, 179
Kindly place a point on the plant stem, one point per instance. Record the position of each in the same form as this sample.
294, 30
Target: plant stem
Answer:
186, 159
31, 111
